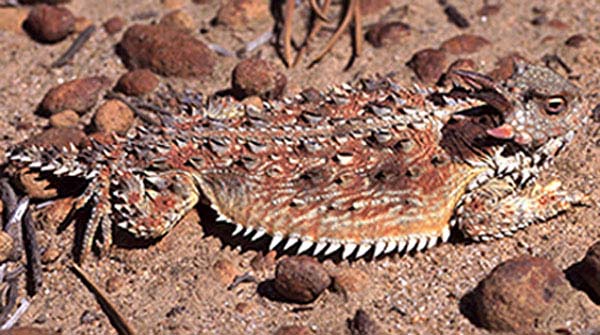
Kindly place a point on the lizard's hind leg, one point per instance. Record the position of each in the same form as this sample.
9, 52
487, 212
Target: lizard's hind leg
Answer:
499, 207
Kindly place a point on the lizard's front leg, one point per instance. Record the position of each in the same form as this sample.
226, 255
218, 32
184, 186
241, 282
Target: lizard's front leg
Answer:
499, 207
149, 204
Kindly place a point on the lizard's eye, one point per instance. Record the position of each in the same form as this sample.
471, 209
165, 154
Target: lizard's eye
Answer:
555, 104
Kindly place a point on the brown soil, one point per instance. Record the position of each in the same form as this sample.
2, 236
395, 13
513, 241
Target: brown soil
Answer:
171, 287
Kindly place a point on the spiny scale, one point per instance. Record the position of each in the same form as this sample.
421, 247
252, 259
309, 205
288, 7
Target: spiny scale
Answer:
368, 169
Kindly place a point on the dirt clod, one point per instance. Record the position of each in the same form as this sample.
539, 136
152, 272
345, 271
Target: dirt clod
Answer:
137, 82
518, 293
362, 324
301, 279
49, 23
178, 19
225, 271
114, 25
257, 77
241, 13
113, 116
428, 64
166, 51
576, 41
78, 95
65, 119
464, 44
350, 281
387, 33
50, 255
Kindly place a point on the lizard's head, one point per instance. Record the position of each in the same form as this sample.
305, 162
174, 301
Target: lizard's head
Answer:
539, 106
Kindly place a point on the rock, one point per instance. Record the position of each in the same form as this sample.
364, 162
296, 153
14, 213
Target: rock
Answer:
137, 82
293, 330
64, 119
371, 7
78, 95
242, 13
300, 279
428, 64
114, 283
49, 24
12, 18
6, 246
81, 24
362, 324
178, 20
50, 255
166, 51
243, 308
505, 67
58, 137
489, 10
387, 33
576, 41
225, 271
350, 281
590, 268
113, 116
518, 294
464, 44
114, 25
257, 77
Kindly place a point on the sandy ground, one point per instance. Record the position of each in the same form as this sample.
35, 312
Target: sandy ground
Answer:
172, 287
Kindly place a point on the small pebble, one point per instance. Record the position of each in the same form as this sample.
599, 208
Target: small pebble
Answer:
114, 25
179, 20
464, 44
385, 34
50, 255
371, 7
82, 23
49, 24
225, 271
113, 116
428, 64
58, 137
576, 41
350, 281
257, 77
78, 95
505, 67
114, 283
243, 13
137, 82
65, 119
300, 279
362, 324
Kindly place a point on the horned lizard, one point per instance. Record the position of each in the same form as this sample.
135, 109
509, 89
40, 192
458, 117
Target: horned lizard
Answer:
372, 167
